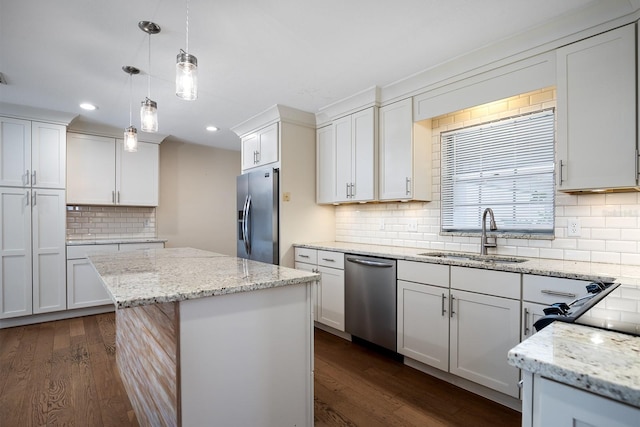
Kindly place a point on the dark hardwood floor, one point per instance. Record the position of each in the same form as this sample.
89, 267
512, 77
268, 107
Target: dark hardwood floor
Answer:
63, 373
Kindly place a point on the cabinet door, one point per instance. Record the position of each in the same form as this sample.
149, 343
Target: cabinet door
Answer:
249, 147
344, 158
137, 175
48, 155
325, 166
91, 165
15, 152
268, 145
423, 323
331, 298
84, 287
314, 287
556, 404
483, 330
596, 85
15, 252
396, 151
531, 312
364, 155
49, 251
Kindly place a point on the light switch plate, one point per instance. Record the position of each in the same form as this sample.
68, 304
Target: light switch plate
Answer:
412, 225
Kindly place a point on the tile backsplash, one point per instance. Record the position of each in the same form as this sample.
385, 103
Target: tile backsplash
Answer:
110, 222
609, 222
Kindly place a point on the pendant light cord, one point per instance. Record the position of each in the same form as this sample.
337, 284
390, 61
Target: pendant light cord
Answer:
130, 98
149, 72
187, 44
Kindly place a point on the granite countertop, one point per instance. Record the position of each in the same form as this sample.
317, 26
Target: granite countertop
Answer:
116, 241
168, 275
539, 266
601, 362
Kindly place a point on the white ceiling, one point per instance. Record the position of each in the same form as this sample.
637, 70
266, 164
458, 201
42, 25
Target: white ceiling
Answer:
251, 54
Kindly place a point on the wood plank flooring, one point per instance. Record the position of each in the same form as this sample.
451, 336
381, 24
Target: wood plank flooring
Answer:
64, 373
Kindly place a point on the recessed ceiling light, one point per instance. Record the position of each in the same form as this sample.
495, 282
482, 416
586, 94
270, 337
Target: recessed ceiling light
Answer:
87, 106
212, 128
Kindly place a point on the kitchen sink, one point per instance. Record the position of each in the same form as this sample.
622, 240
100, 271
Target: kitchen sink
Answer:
474, 257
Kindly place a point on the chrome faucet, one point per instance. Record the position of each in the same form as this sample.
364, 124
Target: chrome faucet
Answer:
487, 242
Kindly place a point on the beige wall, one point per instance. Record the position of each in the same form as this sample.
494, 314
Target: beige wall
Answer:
198, 196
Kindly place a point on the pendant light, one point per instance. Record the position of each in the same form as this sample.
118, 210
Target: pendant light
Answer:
130, 133
149, 108
186, 70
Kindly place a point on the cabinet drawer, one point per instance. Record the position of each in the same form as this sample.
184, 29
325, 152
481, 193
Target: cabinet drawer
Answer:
331, 259
499, 283
421, 272
549, 290
124, 247
82, 251
306, 255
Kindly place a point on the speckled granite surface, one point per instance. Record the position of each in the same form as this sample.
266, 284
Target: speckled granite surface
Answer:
177, 274
601, 362
114, 241
539, 266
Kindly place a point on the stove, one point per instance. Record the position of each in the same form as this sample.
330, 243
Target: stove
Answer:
609, 306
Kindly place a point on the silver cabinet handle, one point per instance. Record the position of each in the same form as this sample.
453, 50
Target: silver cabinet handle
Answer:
26, 177
118, 197
303, 256
34, 198
33, 178
28, 197
329, 259
561, 166
348, 196
353, 190
451, 312
558, 293
407, 186
526, 321
443, 309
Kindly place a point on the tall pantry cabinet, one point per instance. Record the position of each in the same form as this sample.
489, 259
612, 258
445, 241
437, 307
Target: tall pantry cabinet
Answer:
33, 217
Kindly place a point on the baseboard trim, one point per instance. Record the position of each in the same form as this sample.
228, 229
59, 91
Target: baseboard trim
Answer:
57, 315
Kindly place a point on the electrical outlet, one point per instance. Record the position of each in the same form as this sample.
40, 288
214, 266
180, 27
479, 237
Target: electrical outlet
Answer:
412, 225
286, 197
381, 224
573, 227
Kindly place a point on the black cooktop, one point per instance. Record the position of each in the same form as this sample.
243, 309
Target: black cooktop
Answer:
618, 311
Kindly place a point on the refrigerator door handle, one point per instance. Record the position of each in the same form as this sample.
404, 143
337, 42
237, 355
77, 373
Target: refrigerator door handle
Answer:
247, 219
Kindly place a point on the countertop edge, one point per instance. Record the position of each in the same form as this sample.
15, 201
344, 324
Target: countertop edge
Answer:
115, 241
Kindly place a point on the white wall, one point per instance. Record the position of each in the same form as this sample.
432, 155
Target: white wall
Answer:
198, 196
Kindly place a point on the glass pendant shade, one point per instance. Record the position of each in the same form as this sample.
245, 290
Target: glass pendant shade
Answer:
149, 116
186, 76
130, 139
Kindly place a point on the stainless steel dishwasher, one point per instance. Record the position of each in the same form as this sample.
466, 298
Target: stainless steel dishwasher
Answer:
370, 299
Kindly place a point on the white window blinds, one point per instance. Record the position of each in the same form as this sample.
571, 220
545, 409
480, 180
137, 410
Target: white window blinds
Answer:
507, 165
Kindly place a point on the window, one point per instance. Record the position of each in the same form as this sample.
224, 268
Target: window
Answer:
507, 165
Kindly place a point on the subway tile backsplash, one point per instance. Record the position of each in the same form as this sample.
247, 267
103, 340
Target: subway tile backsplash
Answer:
110, 222
609, 222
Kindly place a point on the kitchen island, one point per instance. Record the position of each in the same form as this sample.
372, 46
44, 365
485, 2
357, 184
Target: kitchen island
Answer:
207, 339
574, 374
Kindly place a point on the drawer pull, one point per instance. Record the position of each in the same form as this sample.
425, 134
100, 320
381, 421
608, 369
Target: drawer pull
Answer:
526, 322
303, 256
443, 309
558, 293
451, 312
329, 259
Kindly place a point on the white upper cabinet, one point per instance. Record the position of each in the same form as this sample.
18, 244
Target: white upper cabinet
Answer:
325, 165
405, 154
101, 173
355, 141
597, 112
260, 148
32, 154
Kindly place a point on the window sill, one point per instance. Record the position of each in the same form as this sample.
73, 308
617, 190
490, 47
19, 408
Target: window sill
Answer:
505, 235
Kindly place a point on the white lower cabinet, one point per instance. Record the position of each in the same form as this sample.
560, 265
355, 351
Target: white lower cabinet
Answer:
560, 405
84, 287
329, 292
531, 312
32, 255
447, 319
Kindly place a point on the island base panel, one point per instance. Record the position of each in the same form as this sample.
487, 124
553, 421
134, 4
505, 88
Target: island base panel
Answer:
147, 357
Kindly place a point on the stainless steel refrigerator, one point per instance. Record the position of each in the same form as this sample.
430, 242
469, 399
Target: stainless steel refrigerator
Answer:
258, 218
